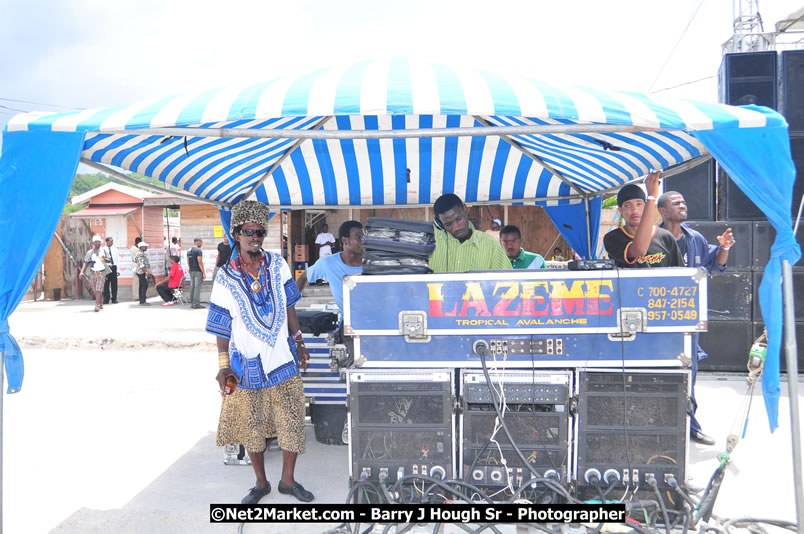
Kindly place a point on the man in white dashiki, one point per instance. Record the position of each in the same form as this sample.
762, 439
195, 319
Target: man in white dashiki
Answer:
260, 345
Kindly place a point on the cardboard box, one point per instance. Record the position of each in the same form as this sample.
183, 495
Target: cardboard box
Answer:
299, 273
301, 253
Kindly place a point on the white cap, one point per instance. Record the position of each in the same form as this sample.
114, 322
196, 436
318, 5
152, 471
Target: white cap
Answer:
97, 238
142, 244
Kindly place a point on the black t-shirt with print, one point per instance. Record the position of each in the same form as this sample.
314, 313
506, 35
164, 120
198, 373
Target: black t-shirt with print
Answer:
662, 250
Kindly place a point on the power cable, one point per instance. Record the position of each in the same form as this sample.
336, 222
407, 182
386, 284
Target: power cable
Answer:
666, 61
683, 84
38, 103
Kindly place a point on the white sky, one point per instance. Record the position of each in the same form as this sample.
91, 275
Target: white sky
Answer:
87, 53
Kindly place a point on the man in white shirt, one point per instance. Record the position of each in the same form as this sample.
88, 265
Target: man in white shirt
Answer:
324, 240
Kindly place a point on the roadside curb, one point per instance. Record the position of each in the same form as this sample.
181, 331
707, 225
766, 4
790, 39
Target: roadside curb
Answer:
71, 343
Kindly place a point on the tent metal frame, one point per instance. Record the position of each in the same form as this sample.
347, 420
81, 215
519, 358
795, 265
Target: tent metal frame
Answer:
539, 129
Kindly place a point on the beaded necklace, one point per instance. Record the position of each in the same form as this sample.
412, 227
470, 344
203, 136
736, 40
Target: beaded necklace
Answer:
255, 285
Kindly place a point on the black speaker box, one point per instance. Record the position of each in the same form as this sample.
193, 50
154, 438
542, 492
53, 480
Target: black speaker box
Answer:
728, 344
697, 186
729, 296
791, 90
758, 328
798, 295
401, 419
738, 206
632, 420
748, 78
763, 235
740, 255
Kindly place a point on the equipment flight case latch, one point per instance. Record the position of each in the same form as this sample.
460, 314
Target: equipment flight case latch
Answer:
413, 325
630, 322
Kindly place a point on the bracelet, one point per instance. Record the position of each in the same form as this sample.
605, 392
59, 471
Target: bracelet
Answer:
725, 248
298, 335
650, 197
223, 360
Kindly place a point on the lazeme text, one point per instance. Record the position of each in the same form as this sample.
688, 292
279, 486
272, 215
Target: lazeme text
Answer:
525, 299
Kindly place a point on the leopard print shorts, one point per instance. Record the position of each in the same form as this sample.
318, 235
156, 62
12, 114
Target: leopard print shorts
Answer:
248, 416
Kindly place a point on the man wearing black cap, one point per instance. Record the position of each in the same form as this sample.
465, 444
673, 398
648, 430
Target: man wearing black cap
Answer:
640, 243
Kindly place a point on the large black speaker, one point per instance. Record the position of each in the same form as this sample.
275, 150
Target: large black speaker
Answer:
738, 206
740, 255
763, 235
697, 186
729, 296
401, 423
728, 344
791, 90
631, 422
798, 295
537, 415
759, 327
748, 78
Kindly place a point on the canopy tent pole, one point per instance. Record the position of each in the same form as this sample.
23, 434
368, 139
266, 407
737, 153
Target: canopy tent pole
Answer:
666, 173
138, 183
589, 251
2, 424
535, 158
510, 202
413, 133
278, 162
791, 358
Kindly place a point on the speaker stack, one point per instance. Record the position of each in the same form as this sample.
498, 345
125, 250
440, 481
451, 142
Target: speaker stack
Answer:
401, 423
735, 320
537, 415
632, 427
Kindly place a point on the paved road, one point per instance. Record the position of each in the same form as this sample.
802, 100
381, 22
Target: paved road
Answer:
114, 432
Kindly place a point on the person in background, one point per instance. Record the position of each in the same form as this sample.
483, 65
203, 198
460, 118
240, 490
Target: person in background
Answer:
511, 241
334, 267
195, 261
459, 246
135, 281
224, 253
93, 259
175, 250
143, 270
557, 255
260, 346
175, 277
494, 231
110, 283
324, 240
695, 252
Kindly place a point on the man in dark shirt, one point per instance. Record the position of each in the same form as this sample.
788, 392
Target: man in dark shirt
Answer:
695, 252
196, 263
639, 243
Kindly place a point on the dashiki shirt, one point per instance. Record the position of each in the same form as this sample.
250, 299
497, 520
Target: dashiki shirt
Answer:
261, 350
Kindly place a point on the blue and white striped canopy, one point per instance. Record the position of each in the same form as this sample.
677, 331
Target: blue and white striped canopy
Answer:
152, 138
394, 133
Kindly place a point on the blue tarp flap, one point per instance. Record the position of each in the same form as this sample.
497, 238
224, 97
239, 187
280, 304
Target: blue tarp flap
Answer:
768, 181
226, 221
570, 220
36, 172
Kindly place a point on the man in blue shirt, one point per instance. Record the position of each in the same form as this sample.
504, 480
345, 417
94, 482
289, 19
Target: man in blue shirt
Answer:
696, 252
334, 267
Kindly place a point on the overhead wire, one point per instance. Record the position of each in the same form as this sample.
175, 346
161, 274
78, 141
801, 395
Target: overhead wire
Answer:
683, 33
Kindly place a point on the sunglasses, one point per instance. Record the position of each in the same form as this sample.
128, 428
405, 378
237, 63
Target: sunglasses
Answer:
249, 232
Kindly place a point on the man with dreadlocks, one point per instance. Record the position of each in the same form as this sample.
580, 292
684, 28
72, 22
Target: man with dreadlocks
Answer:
259, 343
